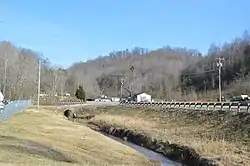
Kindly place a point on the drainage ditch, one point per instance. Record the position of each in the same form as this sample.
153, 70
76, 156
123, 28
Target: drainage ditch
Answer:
155, 150
181, 154
151, 155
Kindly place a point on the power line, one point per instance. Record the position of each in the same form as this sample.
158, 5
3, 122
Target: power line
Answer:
207, 71
212, 70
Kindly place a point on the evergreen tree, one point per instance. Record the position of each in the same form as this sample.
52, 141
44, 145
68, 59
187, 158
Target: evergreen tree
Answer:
80, 93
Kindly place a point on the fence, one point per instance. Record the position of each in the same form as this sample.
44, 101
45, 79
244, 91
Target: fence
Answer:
193, 105
14, 107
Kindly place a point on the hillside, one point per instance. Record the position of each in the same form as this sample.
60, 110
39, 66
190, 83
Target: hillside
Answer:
155, 72
202, 77
168, 73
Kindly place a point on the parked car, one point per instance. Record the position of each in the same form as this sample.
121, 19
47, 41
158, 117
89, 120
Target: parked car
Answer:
240, 98
5, 102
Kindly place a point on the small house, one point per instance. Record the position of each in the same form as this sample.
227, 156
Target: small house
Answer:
142, 97
66, 94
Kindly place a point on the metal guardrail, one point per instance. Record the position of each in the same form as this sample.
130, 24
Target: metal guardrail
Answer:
193, 105
68, 102
14, 107
72, 102
85, 103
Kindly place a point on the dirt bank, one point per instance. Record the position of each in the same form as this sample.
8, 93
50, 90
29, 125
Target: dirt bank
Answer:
219, 136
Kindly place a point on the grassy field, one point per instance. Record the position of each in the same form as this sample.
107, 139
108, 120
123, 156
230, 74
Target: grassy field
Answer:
48, 138
218, 135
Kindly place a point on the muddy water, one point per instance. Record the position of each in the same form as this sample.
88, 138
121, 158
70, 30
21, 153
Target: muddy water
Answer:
153, 156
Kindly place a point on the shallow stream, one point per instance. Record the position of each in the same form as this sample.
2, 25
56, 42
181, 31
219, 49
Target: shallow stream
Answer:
153, 156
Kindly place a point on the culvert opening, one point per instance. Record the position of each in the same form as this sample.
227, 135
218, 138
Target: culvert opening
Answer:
69, 114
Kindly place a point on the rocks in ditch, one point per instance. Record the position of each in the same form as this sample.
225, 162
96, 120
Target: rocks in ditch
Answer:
88, 117
124, 138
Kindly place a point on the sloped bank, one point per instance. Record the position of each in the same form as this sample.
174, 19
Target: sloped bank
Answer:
182, 154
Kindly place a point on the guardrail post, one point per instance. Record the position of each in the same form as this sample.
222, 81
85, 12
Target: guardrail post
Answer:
195, 106
168, 105
214, 106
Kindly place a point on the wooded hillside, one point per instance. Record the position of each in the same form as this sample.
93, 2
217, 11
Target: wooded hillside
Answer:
165, 73
155, 72
19, 73
203, 76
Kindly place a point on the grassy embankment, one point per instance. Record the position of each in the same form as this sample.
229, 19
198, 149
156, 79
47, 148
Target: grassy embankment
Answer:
221, 136
48, 138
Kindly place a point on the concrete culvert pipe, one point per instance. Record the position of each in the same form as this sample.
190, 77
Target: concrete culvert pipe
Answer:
69, 114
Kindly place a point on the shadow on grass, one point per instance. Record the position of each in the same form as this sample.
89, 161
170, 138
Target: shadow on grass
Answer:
33, 148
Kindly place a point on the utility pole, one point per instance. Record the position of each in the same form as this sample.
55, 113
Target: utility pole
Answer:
5, 75
39, 84
132, 69
122, 82
121, 78
121, 89
219, 65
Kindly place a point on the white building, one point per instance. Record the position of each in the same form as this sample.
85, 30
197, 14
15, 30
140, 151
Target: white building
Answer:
67, 94
1, 97
115, 99
43, 94
103, 98
142, 97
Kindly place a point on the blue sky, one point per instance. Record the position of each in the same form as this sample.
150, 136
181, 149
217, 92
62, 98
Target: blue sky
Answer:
78, 30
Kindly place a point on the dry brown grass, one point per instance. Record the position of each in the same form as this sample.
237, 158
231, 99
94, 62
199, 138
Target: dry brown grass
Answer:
47, 138
177, 129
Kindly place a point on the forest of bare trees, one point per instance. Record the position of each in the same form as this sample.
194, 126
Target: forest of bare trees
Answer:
165, 73
235, 70
19, 73
156, 72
